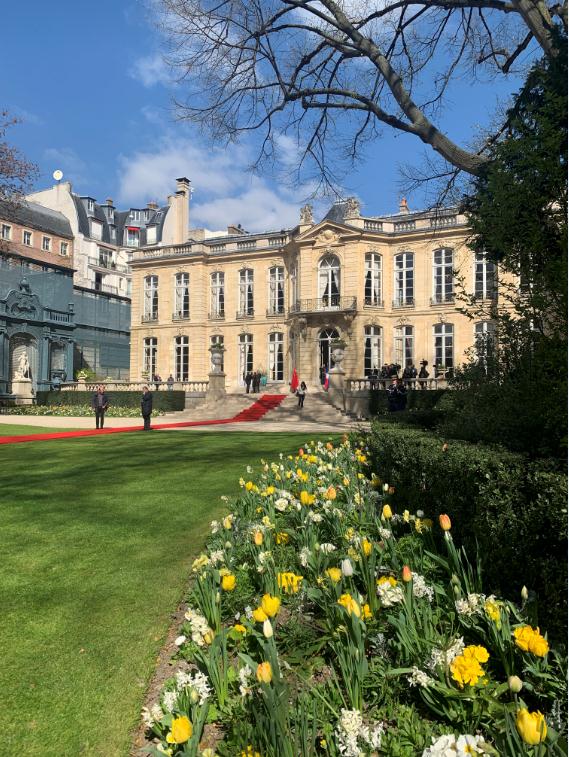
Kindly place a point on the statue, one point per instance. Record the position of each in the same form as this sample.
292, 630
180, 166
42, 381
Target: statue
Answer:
23, 371
306, 215
352, 208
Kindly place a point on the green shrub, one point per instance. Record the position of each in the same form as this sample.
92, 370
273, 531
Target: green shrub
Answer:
424, 407
513, 510
165, 401
75, 411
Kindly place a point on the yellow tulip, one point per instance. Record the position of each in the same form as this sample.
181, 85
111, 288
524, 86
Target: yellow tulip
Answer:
181, 731
387, 512
270, 490
258, 538
530, 640
334, 574
366, 547
240, 628
264, 672
249, 485
406, 574
350, 604
228, 582
259, 615
531, 726
366, 612
270, 605
282, 538
330, 493
306, 498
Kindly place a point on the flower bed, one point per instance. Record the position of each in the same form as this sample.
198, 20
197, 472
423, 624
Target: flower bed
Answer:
75, 411
320, 622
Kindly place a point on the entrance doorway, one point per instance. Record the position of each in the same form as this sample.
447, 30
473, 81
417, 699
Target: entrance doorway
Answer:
325, 339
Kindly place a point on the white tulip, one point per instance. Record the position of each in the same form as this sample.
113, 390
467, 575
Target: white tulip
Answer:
347, 569
267, 629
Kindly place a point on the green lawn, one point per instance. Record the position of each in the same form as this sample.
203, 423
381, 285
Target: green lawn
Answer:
15, 429
97, 536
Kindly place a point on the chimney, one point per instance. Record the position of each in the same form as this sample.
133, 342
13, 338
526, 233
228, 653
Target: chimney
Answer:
403, 207
180, 204
109, 201
152, 205
234, 231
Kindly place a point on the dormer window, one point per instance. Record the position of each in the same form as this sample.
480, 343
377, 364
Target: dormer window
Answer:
96, 229
90, 205
132, 237
135, 215
110, 213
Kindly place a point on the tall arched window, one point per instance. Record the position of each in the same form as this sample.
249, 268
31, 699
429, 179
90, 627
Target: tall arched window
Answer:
276, 356
325, 338
217, 295
182, 296
182, 358
276, 290
150, 298
329, 282
246, 305
245, 355
372, 351
372, 285
404, 284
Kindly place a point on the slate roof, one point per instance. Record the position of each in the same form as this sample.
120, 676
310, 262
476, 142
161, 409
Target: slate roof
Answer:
37, 217
121, 219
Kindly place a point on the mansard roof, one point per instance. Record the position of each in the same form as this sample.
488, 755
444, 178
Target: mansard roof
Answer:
38, 217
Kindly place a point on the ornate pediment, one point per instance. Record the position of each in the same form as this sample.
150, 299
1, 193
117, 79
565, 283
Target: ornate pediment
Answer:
24, 304
328, 233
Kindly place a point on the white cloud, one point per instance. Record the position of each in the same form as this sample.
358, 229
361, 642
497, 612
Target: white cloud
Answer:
150, 70
66, 159
226, 191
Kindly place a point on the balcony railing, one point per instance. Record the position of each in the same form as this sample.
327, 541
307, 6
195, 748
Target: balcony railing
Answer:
404, 302
370, 225
106, 288
218, 315
442, 299
274, 312
58, 316
108, 265
247, 313
180, 316
373, 302
324, 304
405, 226
149, 317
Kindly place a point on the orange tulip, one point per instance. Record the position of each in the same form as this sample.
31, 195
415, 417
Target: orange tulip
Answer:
444, 522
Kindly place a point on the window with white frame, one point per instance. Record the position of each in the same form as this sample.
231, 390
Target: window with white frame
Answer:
182, 358
276, 290
6, 232
404, 279
443, 275
404, 346
151, 298
150, 354
444, 345
245, 355
90, 205
372, 285
96, 229
485, 277
218, 295
27, 238
151, 234
484, 339
372, 349
329, 281
64, 248
246, 304
294, 285
135, 215
46, 244
217, 339
105, 257
182, 295
276, 356
132, 237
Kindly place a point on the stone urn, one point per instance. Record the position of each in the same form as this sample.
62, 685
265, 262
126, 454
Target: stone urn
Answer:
337, 349
216, 351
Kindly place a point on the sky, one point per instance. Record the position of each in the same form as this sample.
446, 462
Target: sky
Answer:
95, 99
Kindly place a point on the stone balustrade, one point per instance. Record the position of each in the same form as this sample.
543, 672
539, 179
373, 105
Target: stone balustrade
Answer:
190, 387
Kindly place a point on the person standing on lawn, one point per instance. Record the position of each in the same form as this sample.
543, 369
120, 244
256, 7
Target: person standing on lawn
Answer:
146, 407
100, 403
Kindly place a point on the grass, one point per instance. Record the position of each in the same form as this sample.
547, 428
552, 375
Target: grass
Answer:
15, 429
98, 536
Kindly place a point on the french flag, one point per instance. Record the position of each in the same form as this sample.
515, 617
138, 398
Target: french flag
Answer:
327, 380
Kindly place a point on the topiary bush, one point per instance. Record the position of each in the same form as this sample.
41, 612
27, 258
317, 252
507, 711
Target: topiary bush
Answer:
165, 401
512, 510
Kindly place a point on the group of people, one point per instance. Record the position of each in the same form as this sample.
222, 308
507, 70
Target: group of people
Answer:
170, 381
100, 404
252, 381
396, 395
391, 371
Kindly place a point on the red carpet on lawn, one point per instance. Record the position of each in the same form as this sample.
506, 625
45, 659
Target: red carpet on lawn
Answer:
252, 413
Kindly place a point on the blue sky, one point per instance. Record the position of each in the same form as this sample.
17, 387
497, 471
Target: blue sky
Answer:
95, 100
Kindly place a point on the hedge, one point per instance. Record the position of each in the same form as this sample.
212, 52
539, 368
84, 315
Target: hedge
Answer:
166, 401
513, 510
424, 407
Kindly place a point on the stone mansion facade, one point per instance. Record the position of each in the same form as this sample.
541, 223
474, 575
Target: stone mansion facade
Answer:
385, 285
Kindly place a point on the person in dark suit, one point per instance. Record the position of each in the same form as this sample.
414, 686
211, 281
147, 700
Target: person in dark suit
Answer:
247, 378
146, 407
100, 403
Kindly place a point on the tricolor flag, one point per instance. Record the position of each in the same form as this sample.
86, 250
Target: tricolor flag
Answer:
294, 381
327, 380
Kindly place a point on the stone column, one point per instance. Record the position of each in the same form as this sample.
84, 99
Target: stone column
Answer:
4, 361
216, 387
336, 376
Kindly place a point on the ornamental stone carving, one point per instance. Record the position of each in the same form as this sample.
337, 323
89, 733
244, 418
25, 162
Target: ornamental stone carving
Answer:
352, 207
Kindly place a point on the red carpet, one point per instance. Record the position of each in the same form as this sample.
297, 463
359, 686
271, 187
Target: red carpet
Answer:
253, 413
